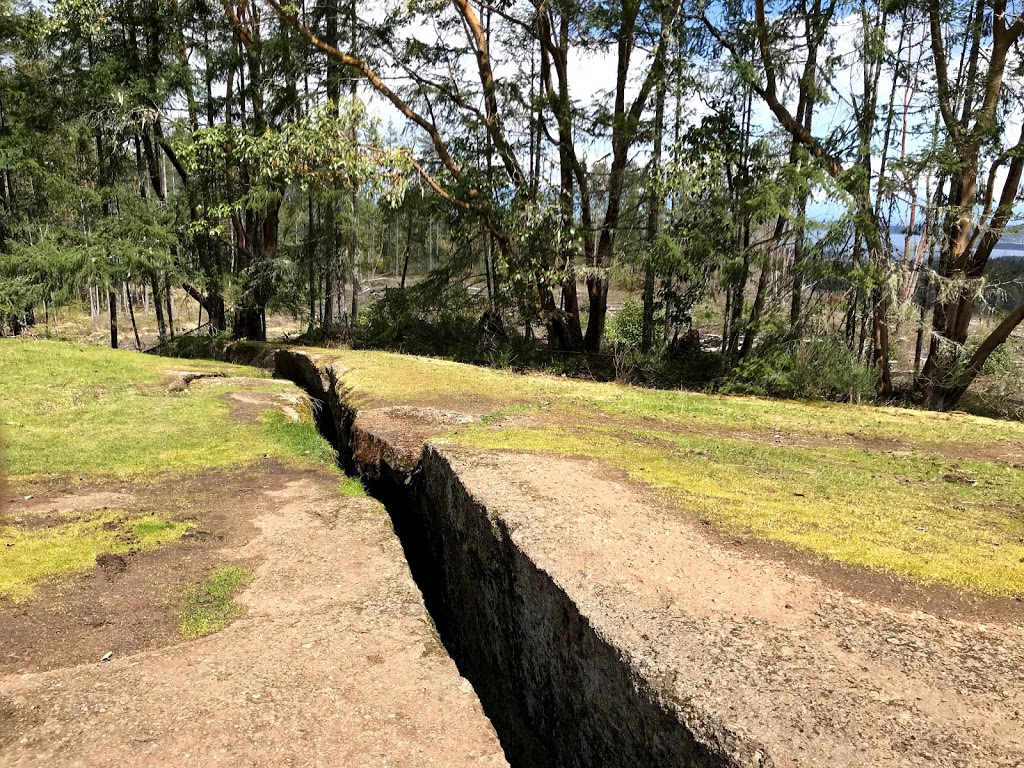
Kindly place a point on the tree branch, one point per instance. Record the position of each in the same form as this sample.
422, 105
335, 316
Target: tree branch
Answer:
483, 59
378, 85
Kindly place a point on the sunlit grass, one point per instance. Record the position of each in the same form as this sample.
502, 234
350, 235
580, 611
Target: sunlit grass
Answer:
92, 414
28, 556
352, 487
381, 377
87, 412
872, 486
210, 605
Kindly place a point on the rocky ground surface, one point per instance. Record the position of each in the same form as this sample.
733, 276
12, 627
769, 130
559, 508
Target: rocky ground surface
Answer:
335, 661
816, 675
806, 663
785, 659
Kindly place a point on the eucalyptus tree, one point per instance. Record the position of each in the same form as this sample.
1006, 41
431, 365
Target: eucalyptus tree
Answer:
966, 70
759, 40
473, 92
976, 60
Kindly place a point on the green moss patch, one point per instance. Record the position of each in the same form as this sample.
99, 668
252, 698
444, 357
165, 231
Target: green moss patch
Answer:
875, 487
87, 412
210, 605
352, 487
29, 556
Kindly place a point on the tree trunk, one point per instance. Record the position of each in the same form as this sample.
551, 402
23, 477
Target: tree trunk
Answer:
169, 297
655, 203
112, 307
945, 398
131, 314
161, 324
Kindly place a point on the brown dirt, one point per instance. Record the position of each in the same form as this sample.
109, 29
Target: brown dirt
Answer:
825, 664
396, 434
129, 602
335, 661
864, 584
884, 589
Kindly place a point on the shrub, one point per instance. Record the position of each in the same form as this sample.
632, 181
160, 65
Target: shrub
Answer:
436, 317
682, 363
196, 346
819, 368
627, 325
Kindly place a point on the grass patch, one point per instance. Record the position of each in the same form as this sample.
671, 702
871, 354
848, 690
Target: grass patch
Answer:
387, 378
29, 556
298, 438
210, 605
956, 523
495, 416
863, 485
352, 487
74, 411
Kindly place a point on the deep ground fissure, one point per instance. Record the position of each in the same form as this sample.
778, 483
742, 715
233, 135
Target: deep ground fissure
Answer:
522, 748
558, 691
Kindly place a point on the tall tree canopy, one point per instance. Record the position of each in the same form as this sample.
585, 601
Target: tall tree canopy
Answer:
818, 168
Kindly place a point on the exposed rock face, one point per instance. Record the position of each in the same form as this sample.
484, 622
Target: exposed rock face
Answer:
575, 698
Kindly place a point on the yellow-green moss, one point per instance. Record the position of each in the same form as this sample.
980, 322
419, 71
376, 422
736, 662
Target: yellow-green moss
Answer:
858, 484
210, 605
29, 556
88, 412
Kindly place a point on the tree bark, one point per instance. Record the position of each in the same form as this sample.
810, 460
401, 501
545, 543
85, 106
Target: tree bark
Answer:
112, 307
158, 306
131, 314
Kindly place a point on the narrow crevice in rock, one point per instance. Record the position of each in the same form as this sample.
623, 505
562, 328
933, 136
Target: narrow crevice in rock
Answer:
558, 692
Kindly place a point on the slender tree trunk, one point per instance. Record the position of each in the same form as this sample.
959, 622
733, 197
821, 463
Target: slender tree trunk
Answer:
112, 307
797, 269
158, 305
169, 297
131, 315
926, 294
655, 203
408, 247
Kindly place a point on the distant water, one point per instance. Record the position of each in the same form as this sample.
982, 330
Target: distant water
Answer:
1009, 245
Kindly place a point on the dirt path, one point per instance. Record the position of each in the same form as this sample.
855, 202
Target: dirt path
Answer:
335, 663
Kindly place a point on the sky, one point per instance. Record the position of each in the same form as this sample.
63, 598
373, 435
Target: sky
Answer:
593, 73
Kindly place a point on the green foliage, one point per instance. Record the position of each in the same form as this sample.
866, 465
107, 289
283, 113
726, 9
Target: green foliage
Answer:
1000, 363
210, 605
196, 346
626, 325
335, 147
681, 363
819, 368
438, 316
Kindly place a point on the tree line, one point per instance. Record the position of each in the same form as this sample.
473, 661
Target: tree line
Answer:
271, 156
